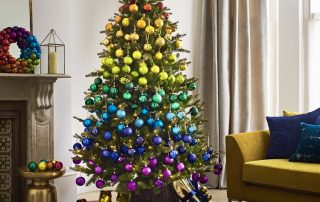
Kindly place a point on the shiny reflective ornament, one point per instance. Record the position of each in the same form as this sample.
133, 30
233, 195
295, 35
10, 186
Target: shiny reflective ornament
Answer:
157, 98
193, 142
112, 109
141, 24
87, 122
155, 105
194, 111
192, 158
170, 116
129, 86
153, 162
77, 146
105, 116
181, 115
137, 55
100, 184
113, 91
120, 127
196, 177
105, 89
127, 60
89, 102
95, 131
139, 140
143, 81
166, 174
173, 98
149, 29
114, 156
124, 149
138, 123
150, 121
192, 129
105, 153
143, 97
140, 150
155, 69
158, 22
121, 114
187, 139
158, 124
206, 157
131, 152
127, 131
204, 179
157, 140
192, 86
32, 166
175, 130
80, 181
144, 111
163, 76
158, 183
107, 135
175, 106
173, 154
183, 97
146, 171
168, 160
180, 166
131, 186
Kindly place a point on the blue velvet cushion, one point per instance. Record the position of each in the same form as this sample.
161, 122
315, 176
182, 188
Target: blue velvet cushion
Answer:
308, 149
285, 133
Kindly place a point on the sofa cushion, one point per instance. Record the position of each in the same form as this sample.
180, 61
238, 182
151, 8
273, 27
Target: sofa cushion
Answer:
284, 174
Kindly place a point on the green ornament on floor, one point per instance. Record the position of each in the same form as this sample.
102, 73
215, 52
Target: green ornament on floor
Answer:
127, 96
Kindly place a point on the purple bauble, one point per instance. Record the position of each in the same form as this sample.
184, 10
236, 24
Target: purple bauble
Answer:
121, 159
158, 183
91, 162
217, 172
100, 184
166, 174
80, 181
127, 131
128, 167
98, 170
131, 186
146, 171
180, 167
196, 177
218, 167
204, 179
76, 160
168, 160
153, 162
114, 178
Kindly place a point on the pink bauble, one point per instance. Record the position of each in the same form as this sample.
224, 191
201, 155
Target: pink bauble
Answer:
128, 167
168, 160
180, 167
98, 170
146, 171
58, 165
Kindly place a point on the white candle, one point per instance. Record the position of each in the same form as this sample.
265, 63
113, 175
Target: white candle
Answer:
53, 63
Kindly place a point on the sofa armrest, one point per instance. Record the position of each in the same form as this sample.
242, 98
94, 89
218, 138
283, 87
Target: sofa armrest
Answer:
241, 148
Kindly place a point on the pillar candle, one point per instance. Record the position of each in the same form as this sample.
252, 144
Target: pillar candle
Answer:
53, 63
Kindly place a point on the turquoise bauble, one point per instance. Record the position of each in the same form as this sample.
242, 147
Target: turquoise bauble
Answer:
170, 116
183, 97
157, 98
98, 81
138, 123
173, 98
113, 91
89, 102
154, 105
175, 130
192, 86
94, 87
105, 116
127, 96
181, 115
175, 106
162, 92
87, 123
120, 127
105, 89
121, 114
143, 97
192, 129
129, 86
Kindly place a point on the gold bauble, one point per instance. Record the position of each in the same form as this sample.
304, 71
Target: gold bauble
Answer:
160, 41
183, 67
158, 22
126, 69
109, 27
163, 76
147, 47
105, 42
117, 18
127, 37
155, 69
167, 37
123, 80
158, 55
119, 33
141, 24
126, 22
134, 36
112, 147
168, 30
178, 44
133, 8
172, 58
149, 29
119, 53
143, 81
204, 189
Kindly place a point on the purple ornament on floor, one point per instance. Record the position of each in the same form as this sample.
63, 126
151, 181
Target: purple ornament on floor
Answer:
153, 162
204, 179
166, 174
131, 186
128, 167
146, 171
80, 181
100, 184
180, 167
158, 183
98, 170
196, 177
114, 178
168, 160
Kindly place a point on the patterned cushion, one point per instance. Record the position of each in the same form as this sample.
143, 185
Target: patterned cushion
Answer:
308, 149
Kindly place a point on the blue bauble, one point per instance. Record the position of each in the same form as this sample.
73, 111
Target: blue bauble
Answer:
77, 146
158, 124
86, 130
192, 129
140, 150
181, 115
95, 131
112, 109
144, 111
170, 116
157, 140
193, 142
87, 122
105, 153
105, 116
114, 155
127, 131
187, 139
131, 152
175, 130
124, 149
192, 158
139, 140
121, 114
182, 149
177, 137
150, 121
120, 127
173, 154
86, 142
107, 135
138, 123
206, 157
210, 150
168, 143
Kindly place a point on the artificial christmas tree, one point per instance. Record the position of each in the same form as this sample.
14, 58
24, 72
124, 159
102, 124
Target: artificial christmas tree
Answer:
145, 128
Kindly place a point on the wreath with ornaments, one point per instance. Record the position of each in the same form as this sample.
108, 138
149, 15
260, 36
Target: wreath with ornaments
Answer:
30, 51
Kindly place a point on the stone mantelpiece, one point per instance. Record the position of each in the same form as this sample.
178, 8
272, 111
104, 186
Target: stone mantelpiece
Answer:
37, 90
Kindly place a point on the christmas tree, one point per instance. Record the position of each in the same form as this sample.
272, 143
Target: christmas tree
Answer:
145, 128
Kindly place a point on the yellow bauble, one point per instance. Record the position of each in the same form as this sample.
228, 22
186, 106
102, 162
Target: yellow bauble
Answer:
142, 64
105, 42
168, 30
180, 79
127, 37
123, 80
100, 70
134, 37
126, 22
167, 37
137, 55
143, 70
147, 47
142, 81
178, 44
109, 27
163, 76
119, 53
133, 8
183, 67
106, 74
160, 41
115, 70
117, 18
158, 55
149, 29
158, 22
155, 69
127, 60
172, 58
119, 33
141, 24
172, 79
134, 74
42, 166
126, 69
109, 62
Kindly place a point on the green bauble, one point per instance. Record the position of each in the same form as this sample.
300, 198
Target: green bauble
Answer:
143, 97
134, 74
162, 92
89, 102
94, 87
32, 166
129, 86
154, 105
127, 96
106, 74
183, 97
98, 81
173, 98
194, 111
157, 98
105, 89
97, 99
113, 91
134, 106
175, 106
192, 86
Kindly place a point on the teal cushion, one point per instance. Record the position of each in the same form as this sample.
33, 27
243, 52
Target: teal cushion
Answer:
308, 149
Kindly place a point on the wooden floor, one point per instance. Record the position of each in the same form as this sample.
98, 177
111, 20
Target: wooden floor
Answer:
219, 195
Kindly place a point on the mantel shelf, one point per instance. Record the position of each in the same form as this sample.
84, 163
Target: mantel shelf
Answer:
33, 76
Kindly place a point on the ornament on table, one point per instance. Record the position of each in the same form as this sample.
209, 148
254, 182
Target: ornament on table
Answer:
44, 165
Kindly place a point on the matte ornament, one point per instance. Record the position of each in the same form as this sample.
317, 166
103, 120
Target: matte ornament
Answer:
100, 184
112, 109
170, 116
105, 153
138, 123
158, 183
166, 174
141, 24
124, 149
155, 105
131, 186
80, 181
180, 167
87, 123
134, 106
192, 158
157, 140
127, 131
113, 91
173, 98
146, 171
157, 98
140, 150
121, 114
114, 156
32, 166
126, 96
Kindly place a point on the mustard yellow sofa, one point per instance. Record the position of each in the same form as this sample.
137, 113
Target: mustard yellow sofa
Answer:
251, 177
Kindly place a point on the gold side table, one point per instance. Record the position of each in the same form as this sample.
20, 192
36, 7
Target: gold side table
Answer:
40, 190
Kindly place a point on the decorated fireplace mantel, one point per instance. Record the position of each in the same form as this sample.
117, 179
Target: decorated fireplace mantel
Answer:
37, 91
